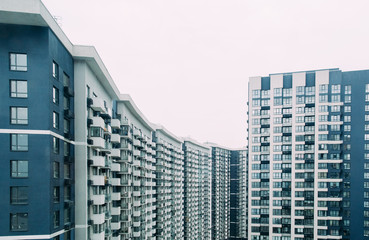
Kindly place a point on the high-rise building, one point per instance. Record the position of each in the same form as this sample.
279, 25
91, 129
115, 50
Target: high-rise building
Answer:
309, 155
220, 192
238, 195
197, 190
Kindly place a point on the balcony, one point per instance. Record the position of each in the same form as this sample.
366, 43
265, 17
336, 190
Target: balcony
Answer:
98, 122
136, 224
98, 104
115, 237
136, 213
115, 167
115, 226
98, 236
98, 180
115, 181
115, 123
98, 142
136, 183
115, 153
115, 196
115, 138
98, 218
136, 234
136, 153
115, 211
98, 161
98, 199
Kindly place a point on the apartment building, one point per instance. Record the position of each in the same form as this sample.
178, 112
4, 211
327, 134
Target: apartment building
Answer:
220, 192
309, 169
170, 188
197, 190
36, 89
81, 161
238, 194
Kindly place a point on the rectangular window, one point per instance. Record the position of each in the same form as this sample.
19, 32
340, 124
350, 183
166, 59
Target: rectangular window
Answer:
55, 70
18, 62
56, 169
55, 145
18, 195
67, 172
56, 219
19, 142
56, 194
55, 95
18, 115
336, 88
19, 169
66, 80
55, 120
19, 221
18, 89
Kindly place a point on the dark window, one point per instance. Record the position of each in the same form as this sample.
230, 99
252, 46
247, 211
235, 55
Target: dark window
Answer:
18, 89
19, 169
67, 193
66, 80
55, 95
18, 62
67, 217
56, 170
19, 142
56, 194
56, 219
67, 173
18, 195
55, 120
18, 115
19, 221
66, 126
55, 70
55, 145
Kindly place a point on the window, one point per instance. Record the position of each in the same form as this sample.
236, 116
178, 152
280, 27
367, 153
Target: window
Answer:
19, 221
55, 145
348, 89
18, 89
66, 80
67, 171
56, 194
323, 88
55, 95
19, 142
67, 216
56, 219
18, 62
336, 88
55, 120
56, 170
55, 70
18, 115
18, 195
19, 169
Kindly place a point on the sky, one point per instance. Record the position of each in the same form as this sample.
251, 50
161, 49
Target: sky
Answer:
186, 63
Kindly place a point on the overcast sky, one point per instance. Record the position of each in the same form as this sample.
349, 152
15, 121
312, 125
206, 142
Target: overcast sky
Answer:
186, 63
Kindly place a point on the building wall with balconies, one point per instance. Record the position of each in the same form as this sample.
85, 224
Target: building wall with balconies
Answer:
197, 190
169, 186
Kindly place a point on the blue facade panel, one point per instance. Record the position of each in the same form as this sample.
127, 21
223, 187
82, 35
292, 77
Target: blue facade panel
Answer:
42, 48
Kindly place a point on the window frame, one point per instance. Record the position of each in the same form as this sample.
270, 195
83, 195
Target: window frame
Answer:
18, 148
18, 229
17, 94
15, 120
17, 172
16, 67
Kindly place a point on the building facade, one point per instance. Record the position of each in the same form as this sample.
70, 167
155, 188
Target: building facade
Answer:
36, 85
238, 194
80, 159
197, 190
220, 192
308, 142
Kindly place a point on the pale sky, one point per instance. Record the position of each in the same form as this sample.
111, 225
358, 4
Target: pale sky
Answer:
186, 63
